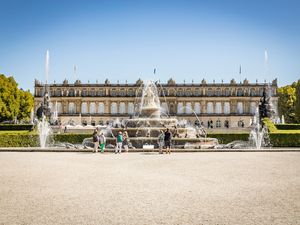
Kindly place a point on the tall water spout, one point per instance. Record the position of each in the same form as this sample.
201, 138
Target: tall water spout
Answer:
47, 67
258, 133
44, 130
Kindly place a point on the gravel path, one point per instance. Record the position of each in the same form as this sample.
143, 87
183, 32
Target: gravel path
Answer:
145, 188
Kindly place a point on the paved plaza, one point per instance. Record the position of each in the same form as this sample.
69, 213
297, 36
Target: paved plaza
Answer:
147, 188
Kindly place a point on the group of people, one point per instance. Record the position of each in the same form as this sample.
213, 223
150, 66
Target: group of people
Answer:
99, 140
164, 141
122, 141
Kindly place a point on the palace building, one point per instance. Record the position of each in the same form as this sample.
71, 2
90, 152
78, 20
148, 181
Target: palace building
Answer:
216, 105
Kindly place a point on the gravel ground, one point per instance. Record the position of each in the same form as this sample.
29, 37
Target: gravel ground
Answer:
144, 188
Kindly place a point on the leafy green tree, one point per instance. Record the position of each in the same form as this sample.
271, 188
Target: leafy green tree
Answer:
14, 103
26, 105
297, 102
286, 102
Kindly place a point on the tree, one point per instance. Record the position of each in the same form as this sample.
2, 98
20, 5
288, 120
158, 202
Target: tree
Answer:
14, 103
286, 103
289, 102
297, 102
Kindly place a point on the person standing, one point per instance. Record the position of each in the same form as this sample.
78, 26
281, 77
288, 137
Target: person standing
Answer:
161, 139
102, 140
125, 140
119, 142
96, 141
167, 139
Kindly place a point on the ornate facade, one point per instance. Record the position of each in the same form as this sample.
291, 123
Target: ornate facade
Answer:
217, 105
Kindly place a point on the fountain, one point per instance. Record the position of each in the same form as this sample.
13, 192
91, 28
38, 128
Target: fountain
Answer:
258, 136
143, 129
45, 131
44, 111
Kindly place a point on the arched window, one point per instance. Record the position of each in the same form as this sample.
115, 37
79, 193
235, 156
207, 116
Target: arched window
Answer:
241, 123
101, 108
113, 92
188, 108
71, 93
113, 108
240, 109
188, 92
101, 92
72, 109
122, 108
122, 92
59, 107
197, 108
252, 92
226, 123
58, 92
227, 92
253, 108
130, 108
218, 92
210, 108
197, 92
92, 92
209, 92
180, 108
164, 107
92, 108
226, 108
218, 108
84, 93
84, 122
240, 92
130, 92
180, 92
83, 107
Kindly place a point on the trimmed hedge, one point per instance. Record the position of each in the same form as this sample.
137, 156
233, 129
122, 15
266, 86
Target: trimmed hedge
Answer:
288, 126
29, 139
16, 127
285, 139
225, 138
282, 138
71, 138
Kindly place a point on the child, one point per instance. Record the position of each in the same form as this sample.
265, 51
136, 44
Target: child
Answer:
102, 140
119, 142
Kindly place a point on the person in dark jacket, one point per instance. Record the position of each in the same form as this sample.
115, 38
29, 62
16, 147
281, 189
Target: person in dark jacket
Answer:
168, 138
96, 141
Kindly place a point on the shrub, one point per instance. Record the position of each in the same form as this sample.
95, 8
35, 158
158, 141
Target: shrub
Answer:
225, 138
285, 139
71, 138
282, 138
29, 139
16, 127
288, 126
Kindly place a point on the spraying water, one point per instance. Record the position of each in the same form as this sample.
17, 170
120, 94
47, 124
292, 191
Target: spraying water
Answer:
45, 131
258, 136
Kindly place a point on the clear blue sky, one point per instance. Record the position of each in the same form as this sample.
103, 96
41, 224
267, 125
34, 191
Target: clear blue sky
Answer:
125, 40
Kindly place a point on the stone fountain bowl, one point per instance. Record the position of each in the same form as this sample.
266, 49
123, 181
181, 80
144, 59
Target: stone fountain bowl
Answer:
138, 142
151, 122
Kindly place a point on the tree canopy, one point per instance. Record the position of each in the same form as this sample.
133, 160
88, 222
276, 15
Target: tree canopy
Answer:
14, 102
289, 102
